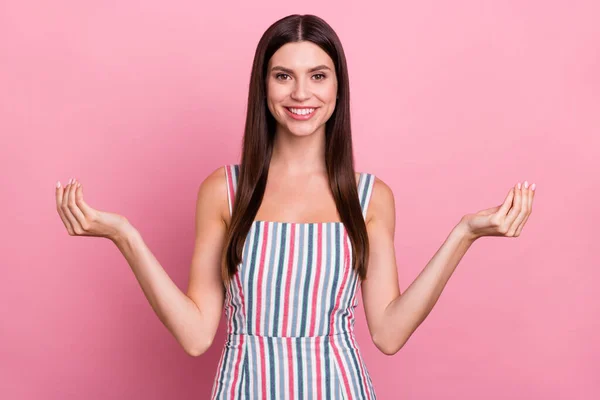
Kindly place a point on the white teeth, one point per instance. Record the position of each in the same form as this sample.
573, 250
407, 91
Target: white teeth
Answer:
301, 111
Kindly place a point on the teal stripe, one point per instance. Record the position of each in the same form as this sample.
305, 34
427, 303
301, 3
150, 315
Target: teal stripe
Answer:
322, 321
309, 274
301, 267
282, 249
269, 326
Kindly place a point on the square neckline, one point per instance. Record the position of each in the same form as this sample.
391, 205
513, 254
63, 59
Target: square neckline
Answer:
257, 221
263, 221
274, 222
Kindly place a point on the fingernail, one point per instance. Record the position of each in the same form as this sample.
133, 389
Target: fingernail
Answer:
526, 185
519, 185
57, 184
533, 187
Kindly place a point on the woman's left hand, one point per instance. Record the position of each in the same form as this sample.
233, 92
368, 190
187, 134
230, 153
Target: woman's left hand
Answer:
507, 219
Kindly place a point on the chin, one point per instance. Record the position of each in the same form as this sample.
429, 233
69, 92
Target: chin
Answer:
301, 131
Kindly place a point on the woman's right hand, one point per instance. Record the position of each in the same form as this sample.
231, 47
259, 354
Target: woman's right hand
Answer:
82, 220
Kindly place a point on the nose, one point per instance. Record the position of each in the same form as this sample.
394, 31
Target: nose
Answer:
301, 90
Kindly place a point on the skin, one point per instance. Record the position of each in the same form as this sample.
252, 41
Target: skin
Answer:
297, 178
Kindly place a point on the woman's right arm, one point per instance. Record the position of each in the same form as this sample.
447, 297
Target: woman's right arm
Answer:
192, 317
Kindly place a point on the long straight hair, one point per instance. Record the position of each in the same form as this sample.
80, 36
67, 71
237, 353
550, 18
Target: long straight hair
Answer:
260, 132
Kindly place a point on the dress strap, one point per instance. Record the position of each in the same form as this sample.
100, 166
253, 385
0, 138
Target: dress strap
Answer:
232, 171
365, 189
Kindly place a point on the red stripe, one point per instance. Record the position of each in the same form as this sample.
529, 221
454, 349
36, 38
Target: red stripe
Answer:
230, 173
342, 372
288, 280
317, 277
262, 361
291, 362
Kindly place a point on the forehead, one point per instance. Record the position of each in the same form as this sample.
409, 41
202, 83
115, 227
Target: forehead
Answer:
300, 55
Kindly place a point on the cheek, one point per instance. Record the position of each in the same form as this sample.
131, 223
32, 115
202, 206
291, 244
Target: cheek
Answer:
273, 110
276, 92
275, 98
327, 94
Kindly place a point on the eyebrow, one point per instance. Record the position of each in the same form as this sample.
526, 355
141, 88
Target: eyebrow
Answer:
289, 71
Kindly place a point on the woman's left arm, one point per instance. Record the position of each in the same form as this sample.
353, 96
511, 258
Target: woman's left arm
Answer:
392, 317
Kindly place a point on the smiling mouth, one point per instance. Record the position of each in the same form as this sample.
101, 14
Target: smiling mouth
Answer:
301, 111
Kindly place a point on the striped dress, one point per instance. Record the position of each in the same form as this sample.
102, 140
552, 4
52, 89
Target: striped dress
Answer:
290, 312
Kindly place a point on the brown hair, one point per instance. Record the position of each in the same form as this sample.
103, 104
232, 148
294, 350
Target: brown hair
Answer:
260, 131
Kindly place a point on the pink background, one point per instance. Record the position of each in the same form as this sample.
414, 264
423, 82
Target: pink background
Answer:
452, 102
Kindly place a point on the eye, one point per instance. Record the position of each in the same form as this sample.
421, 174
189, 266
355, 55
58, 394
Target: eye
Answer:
279, 76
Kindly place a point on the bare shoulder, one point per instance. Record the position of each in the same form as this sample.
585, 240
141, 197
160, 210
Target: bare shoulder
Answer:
382, 204
212, 195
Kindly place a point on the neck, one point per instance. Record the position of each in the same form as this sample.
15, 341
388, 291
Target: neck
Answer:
298, 155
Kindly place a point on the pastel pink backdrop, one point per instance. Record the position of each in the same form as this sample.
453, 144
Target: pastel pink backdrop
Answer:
452, 103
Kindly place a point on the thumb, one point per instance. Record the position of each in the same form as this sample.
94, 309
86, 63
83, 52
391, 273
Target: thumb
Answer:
83, 206
489, 210
507, 202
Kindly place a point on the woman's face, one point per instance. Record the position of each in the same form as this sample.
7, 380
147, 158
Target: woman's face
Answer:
301, 87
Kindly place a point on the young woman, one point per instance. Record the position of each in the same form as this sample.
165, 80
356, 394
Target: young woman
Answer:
285, 238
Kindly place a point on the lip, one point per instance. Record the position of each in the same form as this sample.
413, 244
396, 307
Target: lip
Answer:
301, 117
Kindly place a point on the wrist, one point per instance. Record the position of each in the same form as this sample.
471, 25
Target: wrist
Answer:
465, 231
124, 233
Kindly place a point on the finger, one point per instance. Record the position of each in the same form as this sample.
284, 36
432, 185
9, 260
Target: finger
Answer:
67, 211
524, 210
530, 194
521, 225
77, 213
87, 211
514, 210
507, 203
63, 217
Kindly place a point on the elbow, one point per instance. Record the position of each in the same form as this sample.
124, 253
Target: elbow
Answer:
199, 348
387, 346
389, 350
194, 351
